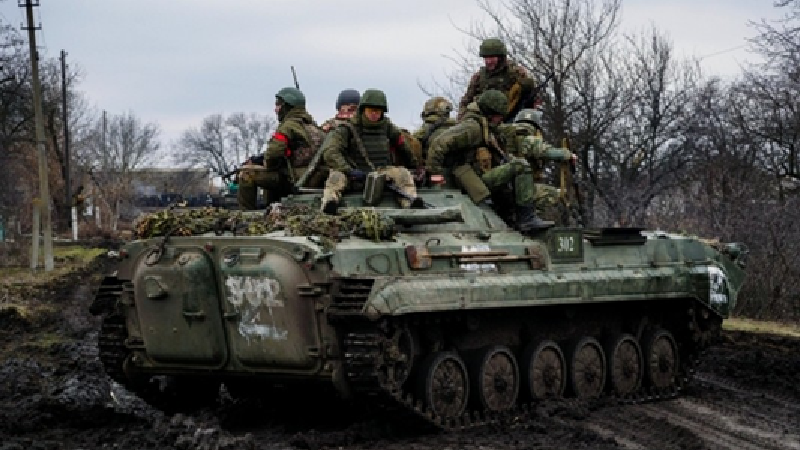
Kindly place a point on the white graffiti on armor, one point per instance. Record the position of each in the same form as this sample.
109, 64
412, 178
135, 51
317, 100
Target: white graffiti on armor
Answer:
477, 267
248, 295
717, 289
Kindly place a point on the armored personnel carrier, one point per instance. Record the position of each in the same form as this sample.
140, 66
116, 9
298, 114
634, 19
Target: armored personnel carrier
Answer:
445, 313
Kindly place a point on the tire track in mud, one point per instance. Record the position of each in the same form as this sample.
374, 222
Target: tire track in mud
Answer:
730, 417
722, 427
641, 431
789, 404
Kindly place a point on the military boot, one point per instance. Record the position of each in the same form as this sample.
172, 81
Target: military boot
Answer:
527, 220
486, 204
330, 207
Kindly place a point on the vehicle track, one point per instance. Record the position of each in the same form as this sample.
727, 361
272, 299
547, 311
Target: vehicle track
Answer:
734, 418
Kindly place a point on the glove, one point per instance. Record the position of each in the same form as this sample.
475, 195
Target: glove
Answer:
357, 175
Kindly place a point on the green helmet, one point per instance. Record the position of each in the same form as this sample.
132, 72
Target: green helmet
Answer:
530, 115
436, 105
493, 102
292, 97
374, 98
492, 47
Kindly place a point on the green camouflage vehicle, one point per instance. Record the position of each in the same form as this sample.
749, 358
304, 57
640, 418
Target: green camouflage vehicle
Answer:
445, 312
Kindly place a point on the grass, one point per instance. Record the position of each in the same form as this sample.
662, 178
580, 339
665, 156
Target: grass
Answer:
66, 259
757, 326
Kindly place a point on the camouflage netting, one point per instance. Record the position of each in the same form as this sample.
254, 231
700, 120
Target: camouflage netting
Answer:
297, 220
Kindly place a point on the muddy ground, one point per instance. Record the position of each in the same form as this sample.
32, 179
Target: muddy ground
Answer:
54, 395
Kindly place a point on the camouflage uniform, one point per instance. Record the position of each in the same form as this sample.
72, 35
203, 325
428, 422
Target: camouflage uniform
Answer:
317, 171
479, 170
436, 119
530, 145
361, 146
286, 155
508, 77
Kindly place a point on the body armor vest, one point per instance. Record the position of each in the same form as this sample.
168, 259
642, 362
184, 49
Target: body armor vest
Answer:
374, 144
501, 80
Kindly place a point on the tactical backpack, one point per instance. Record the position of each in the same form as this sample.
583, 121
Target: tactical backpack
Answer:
302, 156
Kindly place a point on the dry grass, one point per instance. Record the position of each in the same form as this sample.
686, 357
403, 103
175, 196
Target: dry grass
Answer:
66, 259
755, 326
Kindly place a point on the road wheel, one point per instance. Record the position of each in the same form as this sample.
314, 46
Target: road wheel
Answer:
587, 368
495, 378
544, 371
625, 364
444, 384
660, 358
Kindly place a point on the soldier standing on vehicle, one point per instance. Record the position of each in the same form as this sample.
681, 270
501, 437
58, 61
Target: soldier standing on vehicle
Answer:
500, 73
287, 154
368, 142
481, 164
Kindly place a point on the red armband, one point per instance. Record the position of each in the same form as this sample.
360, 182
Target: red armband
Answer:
283, 138
400, 140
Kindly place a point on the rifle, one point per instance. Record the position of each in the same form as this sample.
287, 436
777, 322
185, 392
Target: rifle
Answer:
294, 76
527, 101
415, 201
574, 184
233, 172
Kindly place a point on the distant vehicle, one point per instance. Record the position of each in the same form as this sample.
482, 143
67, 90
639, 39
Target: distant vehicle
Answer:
458, 317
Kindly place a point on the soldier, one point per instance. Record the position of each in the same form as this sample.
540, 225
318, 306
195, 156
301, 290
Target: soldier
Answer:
287, 154
531, 146
368, 142
346, 105
482, 166
499, 73
436, 118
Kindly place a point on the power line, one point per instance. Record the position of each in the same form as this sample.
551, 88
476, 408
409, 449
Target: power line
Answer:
727, 50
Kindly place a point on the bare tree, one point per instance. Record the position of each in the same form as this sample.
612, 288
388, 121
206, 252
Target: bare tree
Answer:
116, 148
220, 143
647, 150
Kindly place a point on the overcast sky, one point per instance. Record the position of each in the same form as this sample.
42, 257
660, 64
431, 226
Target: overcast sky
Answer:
174, 62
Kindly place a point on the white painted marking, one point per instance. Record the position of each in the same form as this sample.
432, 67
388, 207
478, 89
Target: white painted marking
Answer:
478, 267
249, 296
717, 286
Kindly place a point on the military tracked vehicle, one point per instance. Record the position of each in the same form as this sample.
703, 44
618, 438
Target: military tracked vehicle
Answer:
445, 313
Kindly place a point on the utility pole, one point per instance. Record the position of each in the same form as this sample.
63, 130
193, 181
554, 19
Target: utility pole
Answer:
67, 185
44, 186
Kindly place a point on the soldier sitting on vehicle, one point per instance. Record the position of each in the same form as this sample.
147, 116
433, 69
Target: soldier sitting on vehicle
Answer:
482, 165
287, 154
346, 105
368, 142
529, 144
436, 119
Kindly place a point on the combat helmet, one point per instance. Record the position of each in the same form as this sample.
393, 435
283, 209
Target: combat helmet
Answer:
347, 97
374, 98
493, 102
292, 97
436, 106
529, 115
492, 47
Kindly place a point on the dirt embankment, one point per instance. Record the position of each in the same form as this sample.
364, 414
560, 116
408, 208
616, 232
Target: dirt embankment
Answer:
55, 395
